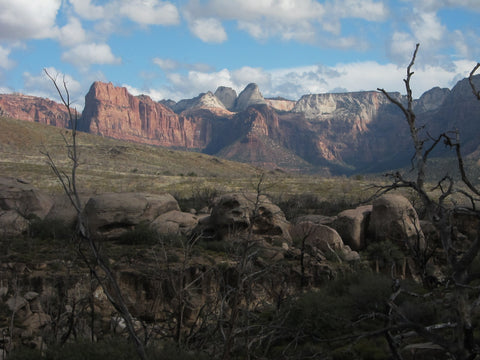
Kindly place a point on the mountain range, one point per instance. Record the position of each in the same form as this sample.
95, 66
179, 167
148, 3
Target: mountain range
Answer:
333, 133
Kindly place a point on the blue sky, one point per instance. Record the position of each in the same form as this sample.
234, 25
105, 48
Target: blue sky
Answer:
178, 49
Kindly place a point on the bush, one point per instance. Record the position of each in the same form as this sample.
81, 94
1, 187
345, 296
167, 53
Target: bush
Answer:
302, 204
47, 229
142, 234
111, 349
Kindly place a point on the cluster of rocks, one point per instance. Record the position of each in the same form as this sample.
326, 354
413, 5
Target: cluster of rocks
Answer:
233, 217
110, 215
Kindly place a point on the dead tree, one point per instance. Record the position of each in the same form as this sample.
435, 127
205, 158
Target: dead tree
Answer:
87, 247
456, 337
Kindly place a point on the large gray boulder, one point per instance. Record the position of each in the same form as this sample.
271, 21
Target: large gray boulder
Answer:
21, 197
394, 218
20, 202
175, 223
110, 215
352, 225
239, 212
323, 238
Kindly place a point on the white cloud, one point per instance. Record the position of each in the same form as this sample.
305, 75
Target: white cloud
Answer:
166, 64
40, 85
195, 82
154, 94
208, 30
262, 19
87, 10
84, 55
5, 62
72, 33
150, 12
245, 75
26, 19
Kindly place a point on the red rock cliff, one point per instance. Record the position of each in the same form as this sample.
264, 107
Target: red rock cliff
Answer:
34, 109
111, 111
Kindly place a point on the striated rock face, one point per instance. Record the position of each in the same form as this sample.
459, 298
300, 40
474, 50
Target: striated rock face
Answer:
431, 100
202, 101
327, 133
34, 109
360, 107
249, 96
111, 111
227, 96
281, 104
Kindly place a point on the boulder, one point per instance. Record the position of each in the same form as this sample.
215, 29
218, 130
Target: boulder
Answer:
20, 196
12, 223
110, 215
394, 218
63, 210
175, 222
323, 238
352, 225
241, 211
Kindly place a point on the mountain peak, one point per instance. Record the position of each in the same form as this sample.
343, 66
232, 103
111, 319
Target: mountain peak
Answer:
251, 95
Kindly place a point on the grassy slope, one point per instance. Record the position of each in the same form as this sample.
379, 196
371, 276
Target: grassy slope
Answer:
113, 165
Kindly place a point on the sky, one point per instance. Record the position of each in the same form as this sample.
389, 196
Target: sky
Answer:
180, 48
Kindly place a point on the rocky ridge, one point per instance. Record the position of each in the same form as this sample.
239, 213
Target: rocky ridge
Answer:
328, 133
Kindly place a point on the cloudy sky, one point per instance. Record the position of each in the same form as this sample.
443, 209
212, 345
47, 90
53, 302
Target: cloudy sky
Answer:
179, 48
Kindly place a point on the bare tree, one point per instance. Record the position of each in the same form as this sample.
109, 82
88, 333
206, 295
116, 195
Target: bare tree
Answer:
456, 336
93, 259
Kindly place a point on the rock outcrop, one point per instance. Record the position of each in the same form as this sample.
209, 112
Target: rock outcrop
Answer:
34, 109
394, 218
111, 111
227, 96
202, 101
251, 95
327, 133
352, 225
112, 214
233, 214
19, 204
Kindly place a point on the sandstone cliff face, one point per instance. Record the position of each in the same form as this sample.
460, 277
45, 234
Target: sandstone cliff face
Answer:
207, 100
111, 111
34, 109
281, 104
348, 132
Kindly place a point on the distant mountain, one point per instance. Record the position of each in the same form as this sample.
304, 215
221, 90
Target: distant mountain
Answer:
329, 133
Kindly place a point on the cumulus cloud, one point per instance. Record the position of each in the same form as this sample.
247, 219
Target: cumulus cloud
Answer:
150, 12
166, 64
208, 30
72, 33
87, 10
154, 94
292, 83
26, 19
5, 62
84, 55
287, 19
40, 85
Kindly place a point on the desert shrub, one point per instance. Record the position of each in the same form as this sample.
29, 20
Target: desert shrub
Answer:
141, 234
111, 349
307, 203
200, 198
384, 253
46, 229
